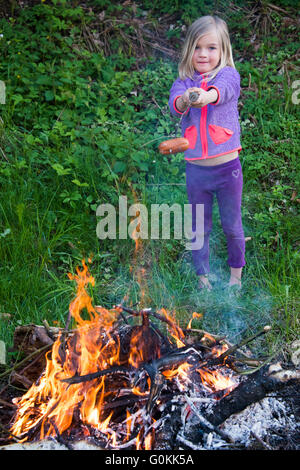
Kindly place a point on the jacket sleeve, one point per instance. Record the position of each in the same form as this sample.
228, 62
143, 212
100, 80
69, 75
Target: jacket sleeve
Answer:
177, 89
227, 85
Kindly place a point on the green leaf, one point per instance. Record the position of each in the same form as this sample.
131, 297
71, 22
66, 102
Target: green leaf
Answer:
60, 170
77, 182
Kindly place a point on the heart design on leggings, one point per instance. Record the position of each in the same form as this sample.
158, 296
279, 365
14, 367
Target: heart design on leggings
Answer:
236, 173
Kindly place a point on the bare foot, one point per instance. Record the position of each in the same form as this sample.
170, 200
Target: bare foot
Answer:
235, 277
204, 283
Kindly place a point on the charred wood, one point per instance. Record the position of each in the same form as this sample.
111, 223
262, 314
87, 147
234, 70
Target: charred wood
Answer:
254, 388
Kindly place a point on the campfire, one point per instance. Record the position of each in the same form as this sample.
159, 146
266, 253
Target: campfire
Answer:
134, 379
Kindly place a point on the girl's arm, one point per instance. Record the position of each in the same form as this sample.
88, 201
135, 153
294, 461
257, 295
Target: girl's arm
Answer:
179, 100
205, 98
227, 85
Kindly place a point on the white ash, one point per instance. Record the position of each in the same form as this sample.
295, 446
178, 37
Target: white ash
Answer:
50, 444
259, 421
264, 417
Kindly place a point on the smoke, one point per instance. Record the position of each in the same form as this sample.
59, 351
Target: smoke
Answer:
227, 310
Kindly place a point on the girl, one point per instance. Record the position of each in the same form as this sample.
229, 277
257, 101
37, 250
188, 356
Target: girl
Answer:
211, 125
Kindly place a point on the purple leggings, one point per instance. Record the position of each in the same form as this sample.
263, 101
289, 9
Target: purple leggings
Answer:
226, 181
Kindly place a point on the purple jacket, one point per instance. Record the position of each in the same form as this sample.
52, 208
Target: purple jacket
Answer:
213, 130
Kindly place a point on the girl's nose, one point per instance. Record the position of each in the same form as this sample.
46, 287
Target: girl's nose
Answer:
202, 52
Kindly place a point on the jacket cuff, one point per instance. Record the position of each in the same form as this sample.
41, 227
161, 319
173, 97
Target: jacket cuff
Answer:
218, 91
176, 109
174, 105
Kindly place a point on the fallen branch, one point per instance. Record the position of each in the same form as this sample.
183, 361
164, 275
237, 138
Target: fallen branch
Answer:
26, 359
95, 375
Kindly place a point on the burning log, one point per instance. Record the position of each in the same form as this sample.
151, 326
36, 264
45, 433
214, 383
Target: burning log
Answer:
258, 385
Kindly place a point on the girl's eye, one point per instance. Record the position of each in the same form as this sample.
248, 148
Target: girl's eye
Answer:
211, 47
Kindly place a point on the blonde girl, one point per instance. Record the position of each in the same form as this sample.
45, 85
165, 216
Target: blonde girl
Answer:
211, 125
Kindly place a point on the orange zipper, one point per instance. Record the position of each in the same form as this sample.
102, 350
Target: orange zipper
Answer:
203, 120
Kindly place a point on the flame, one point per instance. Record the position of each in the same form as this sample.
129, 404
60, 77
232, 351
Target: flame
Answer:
219, 350
136, 355
52, 406
138, 441
195, 315
174, 329
214, 380
91, 348
148, 441
128, 425
180, 371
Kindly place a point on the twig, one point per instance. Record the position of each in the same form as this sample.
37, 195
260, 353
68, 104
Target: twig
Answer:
207, 423
153, 140
59, 437
203, 333
188, 443
275, 7
87, 377
125, 401
264, 444
154, 314
259, 366
4, 155
47, 328
26, 359
127, 444
6, 403
7, 431
245, 341
166, 184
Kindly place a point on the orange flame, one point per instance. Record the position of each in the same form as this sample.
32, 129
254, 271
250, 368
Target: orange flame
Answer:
92, 348
51, 405
174, 329
195, 315
215, 380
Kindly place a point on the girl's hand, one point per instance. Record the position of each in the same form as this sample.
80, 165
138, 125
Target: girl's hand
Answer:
204, 98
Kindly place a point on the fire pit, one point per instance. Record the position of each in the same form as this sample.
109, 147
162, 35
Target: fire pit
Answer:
136, 380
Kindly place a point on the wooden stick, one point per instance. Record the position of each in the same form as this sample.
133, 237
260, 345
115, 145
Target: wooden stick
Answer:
59, 437
264, 444
235, 347
6, 403
7, 431
154, 314
34, 353
208, 424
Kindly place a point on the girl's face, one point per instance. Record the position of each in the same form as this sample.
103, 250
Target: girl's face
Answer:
207, 53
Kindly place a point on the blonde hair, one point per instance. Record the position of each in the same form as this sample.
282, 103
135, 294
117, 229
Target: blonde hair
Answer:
199, 28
